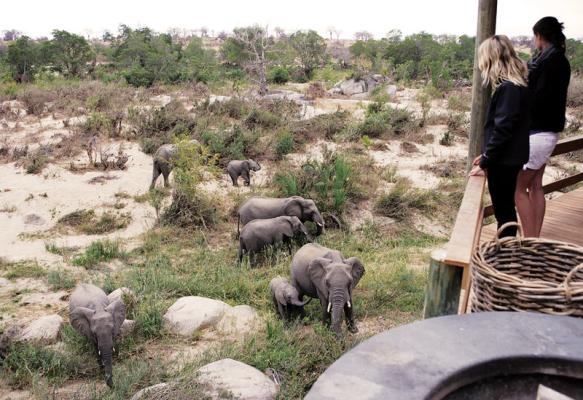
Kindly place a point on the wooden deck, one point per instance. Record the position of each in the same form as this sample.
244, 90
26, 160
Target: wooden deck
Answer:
563, 220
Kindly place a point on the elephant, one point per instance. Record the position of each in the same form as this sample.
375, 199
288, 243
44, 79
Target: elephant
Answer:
286, 298
237, 168
163, 162
323, 273
295, 206
260, 233
92, 315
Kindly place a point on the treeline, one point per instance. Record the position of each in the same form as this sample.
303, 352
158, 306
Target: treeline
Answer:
142, 57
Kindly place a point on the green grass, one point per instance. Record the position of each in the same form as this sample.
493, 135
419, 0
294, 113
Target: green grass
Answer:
22, 269
85, 221
98, 251
60, 279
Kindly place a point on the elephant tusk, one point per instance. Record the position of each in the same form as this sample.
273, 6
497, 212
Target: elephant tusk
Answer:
99, 352
349, 305
319, 224
329, 307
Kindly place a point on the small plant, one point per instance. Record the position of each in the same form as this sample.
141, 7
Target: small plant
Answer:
262, 118
98, 251
284, 145
389, 173
423, 99
35, 162
446, 139
85, 221
366, 142
155, 198
60, 279
23, 269
458, 103
402, 199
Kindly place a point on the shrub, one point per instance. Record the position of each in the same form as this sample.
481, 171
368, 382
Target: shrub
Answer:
98, 251
263, 118
139, 77
23, 269
389, 120
233, 108
35, 99
446, 139
231, 144
458, 102
278, 75
575, 92
284, 145
85, 221
35, 162
402, 199
60, 279
325, 125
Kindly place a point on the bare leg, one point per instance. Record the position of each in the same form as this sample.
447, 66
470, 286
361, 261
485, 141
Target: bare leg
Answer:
526, 209
537, 200
166, 174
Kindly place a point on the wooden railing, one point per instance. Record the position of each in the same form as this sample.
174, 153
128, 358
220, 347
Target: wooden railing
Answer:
449, 270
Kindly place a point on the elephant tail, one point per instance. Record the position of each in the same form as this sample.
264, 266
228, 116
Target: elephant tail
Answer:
238, 223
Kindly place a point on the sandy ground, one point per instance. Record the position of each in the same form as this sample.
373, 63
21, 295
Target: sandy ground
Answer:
38, 201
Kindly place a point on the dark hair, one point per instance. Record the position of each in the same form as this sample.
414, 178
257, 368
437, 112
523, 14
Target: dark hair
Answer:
551, 30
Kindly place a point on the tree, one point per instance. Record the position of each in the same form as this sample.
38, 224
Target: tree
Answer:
311, 50
249, 47
11, 34
22, 57
363, 35
71, 53
200, 62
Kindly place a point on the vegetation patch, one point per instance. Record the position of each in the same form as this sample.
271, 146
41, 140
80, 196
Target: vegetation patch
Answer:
61, 279
402, 199
85, 221
98, 251
22, 269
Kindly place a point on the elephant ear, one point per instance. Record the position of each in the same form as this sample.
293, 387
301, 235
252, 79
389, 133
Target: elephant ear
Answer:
279, 294
80, 319
317, 271
287, 228
118, 311
357, 269
293, 207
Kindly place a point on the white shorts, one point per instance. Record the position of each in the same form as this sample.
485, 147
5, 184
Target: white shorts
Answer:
541, 147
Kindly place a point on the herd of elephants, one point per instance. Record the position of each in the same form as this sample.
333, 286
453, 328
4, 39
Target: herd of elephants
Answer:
316, 271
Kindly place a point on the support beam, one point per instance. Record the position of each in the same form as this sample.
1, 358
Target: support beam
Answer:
444, 283
480, 95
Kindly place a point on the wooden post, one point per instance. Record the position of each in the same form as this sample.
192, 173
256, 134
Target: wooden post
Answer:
480, 95
443, 287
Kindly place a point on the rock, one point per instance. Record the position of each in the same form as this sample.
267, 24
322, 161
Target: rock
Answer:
45, 329
391, 90
335, 90
360, 96
351, 86
191, 313
220, 99
15, 107
151, 391
33, 219
4, 282
239, 320
127, 327
241, 380
119, 293
163, 99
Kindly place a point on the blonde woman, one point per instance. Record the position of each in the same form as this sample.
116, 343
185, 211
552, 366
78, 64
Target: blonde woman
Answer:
506, 143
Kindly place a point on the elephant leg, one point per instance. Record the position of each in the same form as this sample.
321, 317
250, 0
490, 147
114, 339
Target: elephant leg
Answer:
240, 257
246, 178
166, 174
234, 178
155, 175
350, 319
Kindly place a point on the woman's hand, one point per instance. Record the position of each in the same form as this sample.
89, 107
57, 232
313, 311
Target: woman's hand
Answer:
477, 160
477, 171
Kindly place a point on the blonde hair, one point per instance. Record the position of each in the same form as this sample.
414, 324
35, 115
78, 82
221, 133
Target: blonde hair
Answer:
498, 62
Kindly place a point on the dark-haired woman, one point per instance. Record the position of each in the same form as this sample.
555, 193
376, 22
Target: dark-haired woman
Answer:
548, 79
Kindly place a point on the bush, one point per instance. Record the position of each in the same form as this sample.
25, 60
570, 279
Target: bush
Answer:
263, 118
22, 269
98, 251
139, 77
35, 162
231, 144
233, 108
403, 199
278, 75
389, 120
284, 145
446, 139
60, 279
35, 99
322, 126
85, 221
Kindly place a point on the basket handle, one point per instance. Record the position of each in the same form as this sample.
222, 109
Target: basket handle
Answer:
567, 281
508, 225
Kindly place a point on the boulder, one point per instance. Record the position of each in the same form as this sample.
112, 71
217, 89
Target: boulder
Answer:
351, 86
34, 219
242, 381
391, 90
192, 313
45, 329
151, 391
127, 327
118, 294
239, 320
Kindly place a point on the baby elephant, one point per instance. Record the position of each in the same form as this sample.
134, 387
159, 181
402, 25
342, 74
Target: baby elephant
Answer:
237, 168
286, 298
94, 317
260, 233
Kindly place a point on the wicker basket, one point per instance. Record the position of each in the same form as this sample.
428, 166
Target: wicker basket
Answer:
528, 274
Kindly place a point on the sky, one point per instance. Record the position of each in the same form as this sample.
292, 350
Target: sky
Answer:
515, 17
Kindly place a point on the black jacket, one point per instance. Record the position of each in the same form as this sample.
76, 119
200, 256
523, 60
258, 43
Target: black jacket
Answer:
548, 80
506, 139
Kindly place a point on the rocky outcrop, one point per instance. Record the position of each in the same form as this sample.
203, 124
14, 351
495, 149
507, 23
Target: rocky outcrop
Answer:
45, 329
358, 88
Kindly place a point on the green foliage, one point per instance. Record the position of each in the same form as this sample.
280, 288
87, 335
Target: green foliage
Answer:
279, 75
22, 269
98, 251
236, 143
322, 126
328, 182
60, 279
384, 120
23, 57
35, 162
310, 49
284, 144
70, 53
261, 118
403, 199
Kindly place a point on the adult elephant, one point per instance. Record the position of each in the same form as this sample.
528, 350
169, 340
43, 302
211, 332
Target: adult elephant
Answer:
323, 273
264, 207
163, 162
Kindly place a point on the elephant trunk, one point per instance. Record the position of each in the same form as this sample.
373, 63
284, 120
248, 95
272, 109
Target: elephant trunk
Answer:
337, 300
301, 303
105, 353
